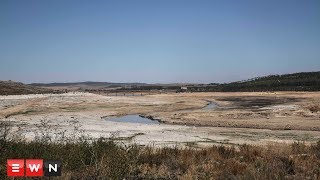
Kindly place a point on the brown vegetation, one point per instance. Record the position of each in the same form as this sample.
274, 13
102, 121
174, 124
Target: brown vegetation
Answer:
83, 158
16, 88
314, 108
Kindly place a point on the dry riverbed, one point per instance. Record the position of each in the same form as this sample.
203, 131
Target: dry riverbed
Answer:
186, 118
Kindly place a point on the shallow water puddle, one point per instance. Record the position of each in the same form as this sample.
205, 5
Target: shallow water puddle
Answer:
211, 105
132, 119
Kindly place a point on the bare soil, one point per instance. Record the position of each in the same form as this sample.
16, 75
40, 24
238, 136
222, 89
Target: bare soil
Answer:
254, 118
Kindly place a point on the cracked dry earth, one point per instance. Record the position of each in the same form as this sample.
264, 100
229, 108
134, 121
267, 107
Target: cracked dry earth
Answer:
186, 119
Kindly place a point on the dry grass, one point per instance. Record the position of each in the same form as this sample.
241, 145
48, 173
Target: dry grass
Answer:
314, 108
313, 105
104, 159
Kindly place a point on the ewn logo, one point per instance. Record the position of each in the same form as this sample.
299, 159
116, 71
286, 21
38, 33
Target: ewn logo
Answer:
33, 167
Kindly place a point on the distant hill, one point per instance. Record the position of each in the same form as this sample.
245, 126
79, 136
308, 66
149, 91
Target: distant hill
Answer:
303, 81
16, 88
88, 83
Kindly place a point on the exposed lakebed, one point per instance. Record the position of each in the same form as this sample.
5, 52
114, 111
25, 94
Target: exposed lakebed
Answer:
149, 120
77, 114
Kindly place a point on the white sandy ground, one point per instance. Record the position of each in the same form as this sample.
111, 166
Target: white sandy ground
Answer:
153, 134
92, 124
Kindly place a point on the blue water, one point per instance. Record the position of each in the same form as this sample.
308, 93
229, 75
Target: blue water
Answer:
132, 119
211, 105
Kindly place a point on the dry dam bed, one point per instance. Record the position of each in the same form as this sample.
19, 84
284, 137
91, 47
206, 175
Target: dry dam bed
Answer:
187, 119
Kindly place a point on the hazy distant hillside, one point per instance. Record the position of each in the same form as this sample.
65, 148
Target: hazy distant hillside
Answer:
304, 81
89, 83
15, 88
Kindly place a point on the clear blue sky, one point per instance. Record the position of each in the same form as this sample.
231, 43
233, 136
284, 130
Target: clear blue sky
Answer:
157, 41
